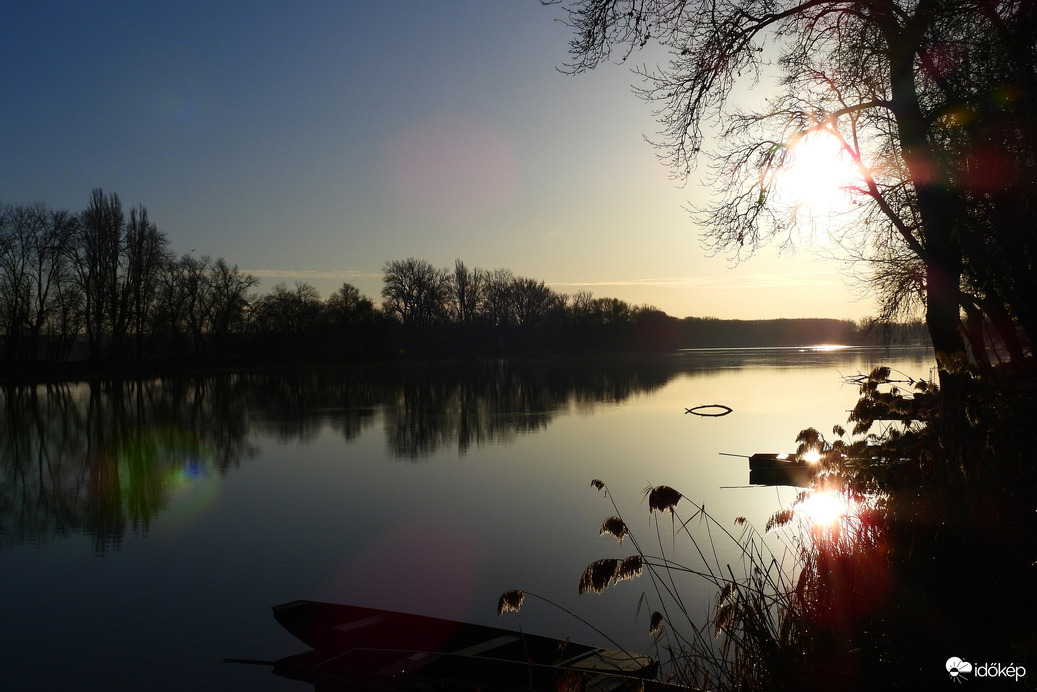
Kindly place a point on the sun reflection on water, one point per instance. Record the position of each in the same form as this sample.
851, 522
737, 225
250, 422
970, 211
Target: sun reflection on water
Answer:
828, 347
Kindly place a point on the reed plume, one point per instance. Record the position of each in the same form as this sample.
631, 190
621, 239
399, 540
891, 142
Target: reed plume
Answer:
630, 568
598, 575
601, 574
662, 498
779, 519
616, 527
655, 625
510, 601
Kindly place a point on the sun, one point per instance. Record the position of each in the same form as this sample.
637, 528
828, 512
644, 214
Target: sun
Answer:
818, 175
824, 508
811, 456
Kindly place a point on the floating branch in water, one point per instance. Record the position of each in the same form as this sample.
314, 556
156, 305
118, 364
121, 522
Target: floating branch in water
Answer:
704, 410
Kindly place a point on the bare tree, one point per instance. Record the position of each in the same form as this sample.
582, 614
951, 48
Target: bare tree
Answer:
580, 306
347, 307
204, 300
415, 292
117, 267
15, 227
499, 304
230, 291
186, 300
288, 311
467, 288
144, 249
533, 301
930, 100
37, 302
97, 254
611, 311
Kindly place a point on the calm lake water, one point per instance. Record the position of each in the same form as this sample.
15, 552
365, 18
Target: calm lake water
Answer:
147, 527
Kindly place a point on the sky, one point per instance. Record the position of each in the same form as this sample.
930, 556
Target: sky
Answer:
315, 141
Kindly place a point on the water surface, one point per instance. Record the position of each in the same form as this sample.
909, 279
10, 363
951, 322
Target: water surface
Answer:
146, 527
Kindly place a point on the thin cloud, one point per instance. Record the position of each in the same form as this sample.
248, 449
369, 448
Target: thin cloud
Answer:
727, 282
310, 274
741, 282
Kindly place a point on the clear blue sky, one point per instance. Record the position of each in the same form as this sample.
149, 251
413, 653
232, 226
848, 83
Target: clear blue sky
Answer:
313, 141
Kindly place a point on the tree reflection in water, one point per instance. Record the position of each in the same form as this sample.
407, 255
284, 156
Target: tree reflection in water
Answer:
103, 458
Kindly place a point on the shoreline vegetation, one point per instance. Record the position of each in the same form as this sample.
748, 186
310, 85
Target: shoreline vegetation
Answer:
911, 551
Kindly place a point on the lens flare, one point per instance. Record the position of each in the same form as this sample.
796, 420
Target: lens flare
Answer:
191, 487
454, 170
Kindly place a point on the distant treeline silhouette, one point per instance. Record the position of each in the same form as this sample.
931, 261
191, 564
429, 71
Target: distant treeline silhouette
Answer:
710, 332
100, 286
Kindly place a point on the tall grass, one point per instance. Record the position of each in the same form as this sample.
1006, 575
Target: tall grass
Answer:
749, 639
877, 596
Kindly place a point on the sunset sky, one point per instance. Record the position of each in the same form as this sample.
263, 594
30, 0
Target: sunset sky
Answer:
314, 141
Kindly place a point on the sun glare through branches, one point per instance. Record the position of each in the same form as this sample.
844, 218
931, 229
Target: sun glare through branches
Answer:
818, 177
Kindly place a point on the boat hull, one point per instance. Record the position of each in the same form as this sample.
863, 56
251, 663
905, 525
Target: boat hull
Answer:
366, 648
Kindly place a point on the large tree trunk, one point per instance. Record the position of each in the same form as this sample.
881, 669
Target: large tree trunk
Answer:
938, 204
943, 287
943, 319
